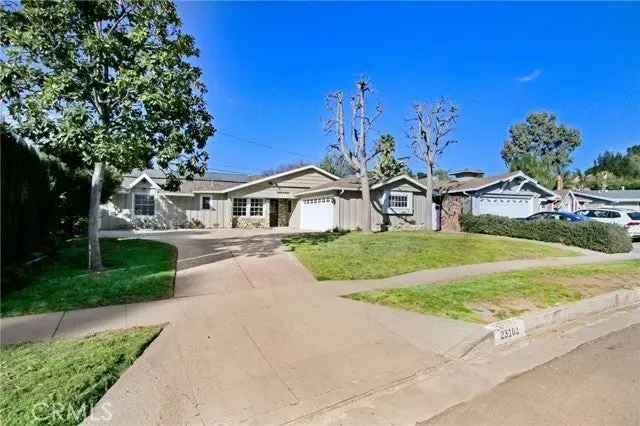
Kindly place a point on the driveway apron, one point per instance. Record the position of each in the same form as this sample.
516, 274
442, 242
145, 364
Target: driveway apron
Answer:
260, 343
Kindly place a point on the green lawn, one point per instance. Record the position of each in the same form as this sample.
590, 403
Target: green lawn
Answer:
494, 297
354, 255
136, 270
57, 383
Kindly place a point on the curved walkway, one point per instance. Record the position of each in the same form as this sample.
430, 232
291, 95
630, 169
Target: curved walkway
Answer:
252, 337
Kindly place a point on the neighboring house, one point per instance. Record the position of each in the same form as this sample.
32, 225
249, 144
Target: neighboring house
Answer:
307, 198
572, 200
512, 194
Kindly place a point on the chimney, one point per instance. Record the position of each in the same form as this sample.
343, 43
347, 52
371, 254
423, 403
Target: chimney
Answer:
559, 183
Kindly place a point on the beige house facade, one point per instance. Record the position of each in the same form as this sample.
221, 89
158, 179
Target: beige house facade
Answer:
306, 198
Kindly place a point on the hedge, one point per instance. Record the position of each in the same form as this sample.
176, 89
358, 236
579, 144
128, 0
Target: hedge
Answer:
592, 235
30, 206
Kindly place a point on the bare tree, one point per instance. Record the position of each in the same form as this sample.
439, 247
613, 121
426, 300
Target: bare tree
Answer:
433, 122
355, 155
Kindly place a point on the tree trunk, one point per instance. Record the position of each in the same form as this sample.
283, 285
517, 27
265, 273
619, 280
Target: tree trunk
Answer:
428, 216
95, 257
365, 218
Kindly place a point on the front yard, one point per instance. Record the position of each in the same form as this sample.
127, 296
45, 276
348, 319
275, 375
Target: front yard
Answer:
495, 297
354, 255
57, 383
136, 271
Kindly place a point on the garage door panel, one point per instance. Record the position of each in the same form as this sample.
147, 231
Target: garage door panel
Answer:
317, 214
502, 206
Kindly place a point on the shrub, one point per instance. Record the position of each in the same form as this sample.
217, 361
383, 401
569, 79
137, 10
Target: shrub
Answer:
592, 235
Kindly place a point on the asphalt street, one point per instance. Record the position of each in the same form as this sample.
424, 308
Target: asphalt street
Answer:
596, 384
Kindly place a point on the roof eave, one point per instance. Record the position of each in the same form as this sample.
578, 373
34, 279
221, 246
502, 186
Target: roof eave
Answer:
321, 190
279, 175
397, 178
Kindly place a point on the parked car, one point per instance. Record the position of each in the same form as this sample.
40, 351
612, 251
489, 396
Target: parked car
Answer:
564, 216
629, 219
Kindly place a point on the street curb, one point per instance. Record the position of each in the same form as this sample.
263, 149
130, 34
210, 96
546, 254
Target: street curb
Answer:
554, 316
593, 305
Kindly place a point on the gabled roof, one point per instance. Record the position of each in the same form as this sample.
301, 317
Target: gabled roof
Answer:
472, 185
614, 195
352, 183
142, 177
397, 178
207, 176
281, 175
212, 182
349, 183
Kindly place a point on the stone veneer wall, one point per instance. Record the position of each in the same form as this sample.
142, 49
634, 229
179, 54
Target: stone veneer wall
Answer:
243, 222
284, 212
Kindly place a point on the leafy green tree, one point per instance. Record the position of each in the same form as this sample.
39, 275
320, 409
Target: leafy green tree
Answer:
622, 165
634, 150
540, 147
388, 165
336, 165
110, 81
539, 169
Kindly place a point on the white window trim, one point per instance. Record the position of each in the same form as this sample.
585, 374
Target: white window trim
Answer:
247, 207
386, 197
133, 203
260, 201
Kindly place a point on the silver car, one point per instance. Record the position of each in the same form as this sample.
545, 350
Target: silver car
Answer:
627, 218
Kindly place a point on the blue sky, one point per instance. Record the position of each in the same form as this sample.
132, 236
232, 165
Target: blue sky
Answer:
269, 66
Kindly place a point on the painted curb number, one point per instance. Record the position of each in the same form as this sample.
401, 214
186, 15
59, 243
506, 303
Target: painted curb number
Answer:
507, 331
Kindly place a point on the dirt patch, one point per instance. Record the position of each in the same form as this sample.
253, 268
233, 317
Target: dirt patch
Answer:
600, 283
489, 312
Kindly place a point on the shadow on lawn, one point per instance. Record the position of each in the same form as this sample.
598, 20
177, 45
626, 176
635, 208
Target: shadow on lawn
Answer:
312, 239
197, 252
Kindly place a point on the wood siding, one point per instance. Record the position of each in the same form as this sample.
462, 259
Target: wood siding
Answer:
349, 205
285, 187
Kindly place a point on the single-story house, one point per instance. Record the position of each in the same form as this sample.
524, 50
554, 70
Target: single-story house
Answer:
572, 200
307, 198
310, 198
512, 194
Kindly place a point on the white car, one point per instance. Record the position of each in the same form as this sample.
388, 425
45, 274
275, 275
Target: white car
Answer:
627, 218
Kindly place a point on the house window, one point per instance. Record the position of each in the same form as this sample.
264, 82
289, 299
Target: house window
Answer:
144, 205
239, 207
255, 209
206, 203
399, 201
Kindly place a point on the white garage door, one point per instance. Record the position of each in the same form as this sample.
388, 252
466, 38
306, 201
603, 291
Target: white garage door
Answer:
503, 206
317, 214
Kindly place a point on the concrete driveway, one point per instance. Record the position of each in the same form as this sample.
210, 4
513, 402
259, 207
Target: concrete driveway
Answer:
261, 344
232, 260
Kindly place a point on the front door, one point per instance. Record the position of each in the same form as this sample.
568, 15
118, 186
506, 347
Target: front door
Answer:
273, 212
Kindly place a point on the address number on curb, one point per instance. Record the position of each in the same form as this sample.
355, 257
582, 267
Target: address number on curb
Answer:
508, 331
